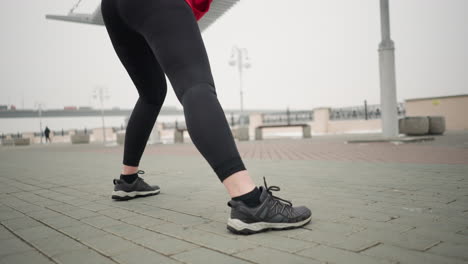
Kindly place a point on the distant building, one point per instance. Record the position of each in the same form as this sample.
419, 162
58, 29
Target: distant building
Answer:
85, 108
454, 108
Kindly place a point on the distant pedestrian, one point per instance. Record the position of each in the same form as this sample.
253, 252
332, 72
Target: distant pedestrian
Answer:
47, 134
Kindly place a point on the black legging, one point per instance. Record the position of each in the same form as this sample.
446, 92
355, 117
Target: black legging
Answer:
157, 37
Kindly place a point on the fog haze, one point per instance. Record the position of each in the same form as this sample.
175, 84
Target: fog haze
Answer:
305, 54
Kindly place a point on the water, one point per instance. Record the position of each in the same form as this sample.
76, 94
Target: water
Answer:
21, 125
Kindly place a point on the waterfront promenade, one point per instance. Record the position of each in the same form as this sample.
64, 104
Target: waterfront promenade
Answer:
370, 202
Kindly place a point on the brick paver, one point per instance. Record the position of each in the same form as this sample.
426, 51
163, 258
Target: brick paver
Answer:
371, 203
332, 148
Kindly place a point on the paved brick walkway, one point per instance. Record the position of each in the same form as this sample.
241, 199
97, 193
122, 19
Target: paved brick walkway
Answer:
371, 203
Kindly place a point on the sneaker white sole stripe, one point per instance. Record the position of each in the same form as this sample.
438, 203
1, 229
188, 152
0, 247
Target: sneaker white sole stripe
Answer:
239, 225
133, 194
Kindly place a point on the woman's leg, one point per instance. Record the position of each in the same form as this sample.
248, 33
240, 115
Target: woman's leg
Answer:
139, 127
172, 32
148, 77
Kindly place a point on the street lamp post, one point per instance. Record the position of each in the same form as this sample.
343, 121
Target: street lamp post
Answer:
388, 99
39, 107
240, 59
101, 93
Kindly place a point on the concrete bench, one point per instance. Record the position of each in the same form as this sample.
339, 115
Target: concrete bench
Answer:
436, 125
305, 130
80, 139
422, 125
414, 125
8, 142
22, 141
121, 138
241, 133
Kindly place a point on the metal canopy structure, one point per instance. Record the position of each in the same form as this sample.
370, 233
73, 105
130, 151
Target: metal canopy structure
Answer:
217, 9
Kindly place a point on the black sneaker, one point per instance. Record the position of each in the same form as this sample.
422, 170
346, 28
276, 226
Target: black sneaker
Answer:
273, 213
138, 188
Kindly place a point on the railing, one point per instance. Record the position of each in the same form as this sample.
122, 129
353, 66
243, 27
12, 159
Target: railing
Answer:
288, 117
17, 135
60, 133
12, 135
365, 112
117, 129
232, 120
236, 120
174, 125
83, 131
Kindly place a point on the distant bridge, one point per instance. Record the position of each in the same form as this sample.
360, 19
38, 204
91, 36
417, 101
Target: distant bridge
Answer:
64, 113
97, 112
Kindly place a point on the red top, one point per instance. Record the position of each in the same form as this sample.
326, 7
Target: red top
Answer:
199, 7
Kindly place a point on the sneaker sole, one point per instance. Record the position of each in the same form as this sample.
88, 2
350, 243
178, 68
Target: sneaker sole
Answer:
238, 227
123, 196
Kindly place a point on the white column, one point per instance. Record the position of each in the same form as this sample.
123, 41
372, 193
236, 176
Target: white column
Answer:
388, 99
321, 119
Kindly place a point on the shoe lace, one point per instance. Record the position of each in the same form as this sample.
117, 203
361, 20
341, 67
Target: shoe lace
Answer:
141, 178
276, 200
142, 181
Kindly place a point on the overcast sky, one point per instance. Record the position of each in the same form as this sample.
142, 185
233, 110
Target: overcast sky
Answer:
304, 54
